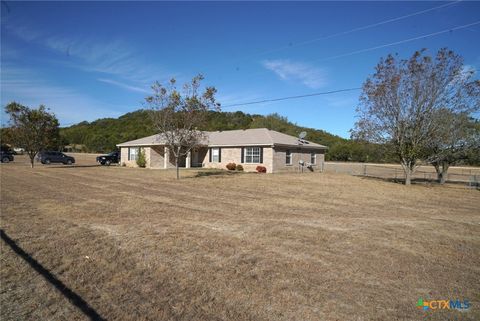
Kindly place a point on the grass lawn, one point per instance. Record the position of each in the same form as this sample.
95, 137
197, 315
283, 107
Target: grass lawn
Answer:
135, 244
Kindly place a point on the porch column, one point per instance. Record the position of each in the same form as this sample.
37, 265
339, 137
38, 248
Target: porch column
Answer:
188, 161
166, 157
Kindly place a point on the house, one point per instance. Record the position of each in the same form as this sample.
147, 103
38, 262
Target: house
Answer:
275, 151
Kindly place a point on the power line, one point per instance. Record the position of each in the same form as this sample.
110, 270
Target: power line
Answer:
342, 33
353, 53
346, 32
384, 45
293, 97
401, 41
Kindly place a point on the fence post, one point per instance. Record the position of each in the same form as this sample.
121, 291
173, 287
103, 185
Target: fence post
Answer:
472, 182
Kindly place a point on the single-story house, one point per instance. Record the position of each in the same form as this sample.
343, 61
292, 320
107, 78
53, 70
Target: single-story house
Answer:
275, 151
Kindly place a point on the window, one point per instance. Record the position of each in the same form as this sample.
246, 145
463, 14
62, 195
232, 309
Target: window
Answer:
133, 153
216, 155
252, 155
288, 157
313, 158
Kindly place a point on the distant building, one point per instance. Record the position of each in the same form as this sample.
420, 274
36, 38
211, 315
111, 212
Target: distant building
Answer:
275, 151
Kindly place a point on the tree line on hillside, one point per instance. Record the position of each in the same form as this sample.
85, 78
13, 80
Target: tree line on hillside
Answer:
102, 135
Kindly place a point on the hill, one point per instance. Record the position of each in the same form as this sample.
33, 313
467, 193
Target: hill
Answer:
103, 134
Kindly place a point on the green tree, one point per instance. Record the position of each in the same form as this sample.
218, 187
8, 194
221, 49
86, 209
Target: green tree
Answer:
34, 129
7, 136
141, 159
457, 137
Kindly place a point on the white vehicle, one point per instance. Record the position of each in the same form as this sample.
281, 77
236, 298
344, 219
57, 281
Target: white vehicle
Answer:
19, 150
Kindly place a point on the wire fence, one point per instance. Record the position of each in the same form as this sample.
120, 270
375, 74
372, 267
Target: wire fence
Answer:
467, 175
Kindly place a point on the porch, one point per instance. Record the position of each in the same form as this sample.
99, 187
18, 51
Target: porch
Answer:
161, 157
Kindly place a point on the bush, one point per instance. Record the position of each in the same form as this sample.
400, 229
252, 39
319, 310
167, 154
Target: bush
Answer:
141, 160
239, 168
231, 166
261, 169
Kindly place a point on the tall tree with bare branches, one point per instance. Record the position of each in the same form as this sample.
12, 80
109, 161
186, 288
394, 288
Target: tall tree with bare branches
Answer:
401, 99
178, 114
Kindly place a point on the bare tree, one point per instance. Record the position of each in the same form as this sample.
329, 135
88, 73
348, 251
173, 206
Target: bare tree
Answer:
399, 102
456, 137
177, 115
33, 129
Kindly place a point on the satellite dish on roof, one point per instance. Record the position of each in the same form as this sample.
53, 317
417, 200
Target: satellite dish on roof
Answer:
302, 135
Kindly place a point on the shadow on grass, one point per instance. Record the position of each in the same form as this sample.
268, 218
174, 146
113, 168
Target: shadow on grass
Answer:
400, 180
416, 181
73, 166
74, 298
216, 173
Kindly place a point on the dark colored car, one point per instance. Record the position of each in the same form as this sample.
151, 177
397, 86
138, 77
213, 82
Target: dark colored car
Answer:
55, 157
6, 156
112, 158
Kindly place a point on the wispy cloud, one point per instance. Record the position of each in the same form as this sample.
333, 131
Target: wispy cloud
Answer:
124, 86
311, 76
70, 106
113, 57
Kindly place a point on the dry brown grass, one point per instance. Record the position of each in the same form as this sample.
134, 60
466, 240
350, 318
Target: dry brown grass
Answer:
138, 245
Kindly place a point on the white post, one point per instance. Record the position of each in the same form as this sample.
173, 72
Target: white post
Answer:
188, 161
166, 157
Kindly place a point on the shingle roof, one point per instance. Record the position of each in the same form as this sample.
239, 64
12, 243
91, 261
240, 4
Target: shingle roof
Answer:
145, 141
241, 137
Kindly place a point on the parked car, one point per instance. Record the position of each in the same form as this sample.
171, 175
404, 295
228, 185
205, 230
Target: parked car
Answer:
55, 157
112, 158
6, 156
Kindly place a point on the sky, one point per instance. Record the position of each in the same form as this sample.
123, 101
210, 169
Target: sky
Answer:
90, 60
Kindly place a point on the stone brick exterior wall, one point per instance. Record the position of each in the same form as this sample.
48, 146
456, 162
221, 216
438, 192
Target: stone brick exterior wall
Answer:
234, 155
279, 159
273, 158
156, 158
124, 158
